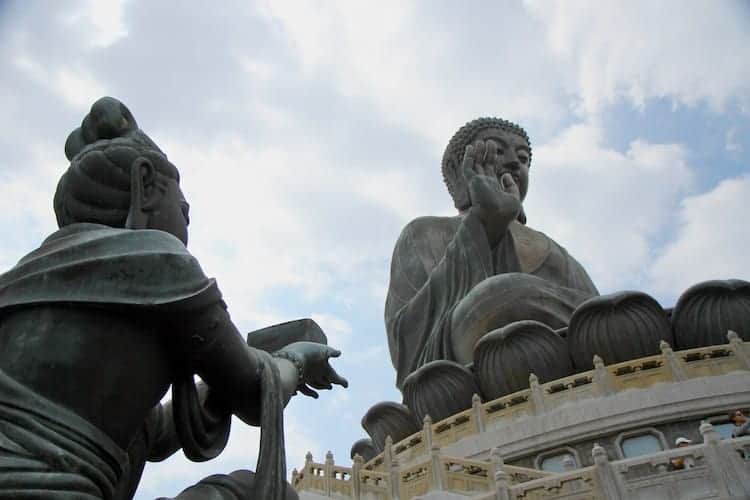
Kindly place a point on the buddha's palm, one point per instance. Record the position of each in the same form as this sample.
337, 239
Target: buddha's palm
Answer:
496, 201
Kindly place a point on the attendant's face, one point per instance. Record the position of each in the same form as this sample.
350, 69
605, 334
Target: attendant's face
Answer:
513, 154
739, 418
172, 214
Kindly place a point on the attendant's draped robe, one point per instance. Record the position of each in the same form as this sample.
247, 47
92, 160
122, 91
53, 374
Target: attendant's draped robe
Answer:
439, 262
47, 450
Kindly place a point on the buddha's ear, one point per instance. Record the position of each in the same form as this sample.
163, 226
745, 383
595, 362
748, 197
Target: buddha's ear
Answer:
144, 195
521, 216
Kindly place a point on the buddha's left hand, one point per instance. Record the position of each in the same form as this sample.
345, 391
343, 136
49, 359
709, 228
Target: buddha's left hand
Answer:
312, 360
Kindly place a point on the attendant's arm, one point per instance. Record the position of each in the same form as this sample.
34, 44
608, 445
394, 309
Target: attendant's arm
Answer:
209, 344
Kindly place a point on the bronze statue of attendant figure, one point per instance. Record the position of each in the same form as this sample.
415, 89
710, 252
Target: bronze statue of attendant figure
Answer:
109, 312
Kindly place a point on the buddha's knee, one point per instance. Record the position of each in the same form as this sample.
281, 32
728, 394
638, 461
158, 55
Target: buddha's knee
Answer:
501, 300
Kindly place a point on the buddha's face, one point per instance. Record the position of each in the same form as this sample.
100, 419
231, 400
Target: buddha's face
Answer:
513, 155
171, 215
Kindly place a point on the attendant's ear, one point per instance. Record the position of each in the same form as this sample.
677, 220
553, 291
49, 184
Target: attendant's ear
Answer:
144, 193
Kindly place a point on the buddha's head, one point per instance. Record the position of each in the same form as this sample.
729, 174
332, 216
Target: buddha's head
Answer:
513, 155
118, 177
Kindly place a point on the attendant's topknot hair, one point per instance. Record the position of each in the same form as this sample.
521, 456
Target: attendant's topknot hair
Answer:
454, 152
96, 186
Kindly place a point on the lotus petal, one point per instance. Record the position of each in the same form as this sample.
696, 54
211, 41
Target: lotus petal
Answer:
618, 327
504, 358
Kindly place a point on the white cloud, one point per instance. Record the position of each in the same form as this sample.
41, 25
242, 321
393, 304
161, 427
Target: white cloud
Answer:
604, 206
338, 330
711, 242
641, 49
732, 143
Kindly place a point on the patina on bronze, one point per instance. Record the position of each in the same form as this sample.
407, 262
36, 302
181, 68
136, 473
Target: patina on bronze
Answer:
109, 313
454, 279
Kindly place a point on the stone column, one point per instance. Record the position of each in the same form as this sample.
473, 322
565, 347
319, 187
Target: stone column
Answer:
537, 395
476, 407
602, 378
608, 480
499, 478
437, 477
738, 348
674, 362
427, 433
729, 473
357, 464
394, 480
307, 470
328, 471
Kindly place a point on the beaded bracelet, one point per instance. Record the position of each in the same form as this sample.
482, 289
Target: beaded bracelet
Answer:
294, 360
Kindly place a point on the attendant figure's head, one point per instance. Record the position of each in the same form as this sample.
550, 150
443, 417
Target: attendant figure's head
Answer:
513, 155
737, 417
118, 177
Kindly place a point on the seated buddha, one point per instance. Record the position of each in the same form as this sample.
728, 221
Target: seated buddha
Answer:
454, 279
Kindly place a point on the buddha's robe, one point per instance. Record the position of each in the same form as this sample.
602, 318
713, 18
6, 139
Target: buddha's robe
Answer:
449, 286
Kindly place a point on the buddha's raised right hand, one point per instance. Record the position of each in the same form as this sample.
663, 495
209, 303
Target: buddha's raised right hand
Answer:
494, 197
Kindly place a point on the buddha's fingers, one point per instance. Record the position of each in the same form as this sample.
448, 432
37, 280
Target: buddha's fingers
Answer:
490, 156
467, 165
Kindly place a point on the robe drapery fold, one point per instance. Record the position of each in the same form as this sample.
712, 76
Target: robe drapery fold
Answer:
49, 452
438, 261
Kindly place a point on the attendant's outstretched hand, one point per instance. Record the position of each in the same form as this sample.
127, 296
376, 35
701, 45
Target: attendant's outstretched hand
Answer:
312, 359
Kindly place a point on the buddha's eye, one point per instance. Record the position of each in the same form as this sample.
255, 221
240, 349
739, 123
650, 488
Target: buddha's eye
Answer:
523, 158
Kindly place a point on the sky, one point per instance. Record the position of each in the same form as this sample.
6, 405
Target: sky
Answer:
308, 134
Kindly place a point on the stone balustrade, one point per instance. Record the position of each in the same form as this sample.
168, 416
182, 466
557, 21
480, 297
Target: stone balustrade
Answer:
720, 471
669, 366
425, 469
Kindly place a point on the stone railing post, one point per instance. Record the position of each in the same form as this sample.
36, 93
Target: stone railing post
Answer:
537, 395
722, 464
675, 364
602, 378
499, 478
295, 476
307, 470
328, 471
476, 408
608, 479
569, 464
394, 480
357, 464
427, 433
437, 482
736, 345
388, 461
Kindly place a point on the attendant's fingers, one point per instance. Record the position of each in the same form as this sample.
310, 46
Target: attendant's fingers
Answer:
333, 353
337, 379
307, 391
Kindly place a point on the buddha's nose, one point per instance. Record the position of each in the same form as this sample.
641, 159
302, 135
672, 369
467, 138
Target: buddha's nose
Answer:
512, 163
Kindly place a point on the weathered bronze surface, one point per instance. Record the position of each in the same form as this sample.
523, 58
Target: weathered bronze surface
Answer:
110, 312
